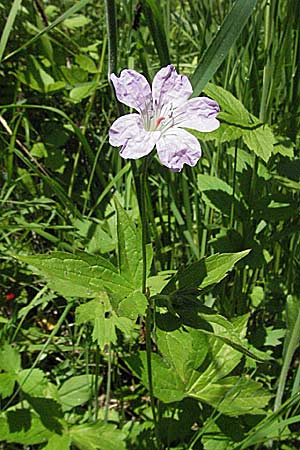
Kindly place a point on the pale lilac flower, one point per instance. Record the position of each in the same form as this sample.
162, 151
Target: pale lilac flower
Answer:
162, 116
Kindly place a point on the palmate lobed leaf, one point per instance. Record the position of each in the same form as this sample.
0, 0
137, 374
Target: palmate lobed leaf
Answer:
78, 275
23, 427
98, 435
130, 257
177, 372
99, 312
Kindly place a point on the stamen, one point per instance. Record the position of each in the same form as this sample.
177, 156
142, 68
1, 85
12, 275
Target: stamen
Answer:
158, 121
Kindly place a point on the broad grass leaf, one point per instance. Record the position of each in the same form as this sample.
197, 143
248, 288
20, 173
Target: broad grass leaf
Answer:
98, 435
75, 391
287, 182
78, 275
154, 17
15, 7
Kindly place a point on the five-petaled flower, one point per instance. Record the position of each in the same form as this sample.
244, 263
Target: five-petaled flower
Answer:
162, 116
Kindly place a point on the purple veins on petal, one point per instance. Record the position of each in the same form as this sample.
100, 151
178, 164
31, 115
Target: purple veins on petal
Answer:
132, 89
169, 87
178, 147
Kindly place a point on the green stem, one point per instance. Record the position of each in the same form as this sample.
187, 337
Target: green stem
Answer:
108, 384
142, 191
96, 393
292, 346
111, 23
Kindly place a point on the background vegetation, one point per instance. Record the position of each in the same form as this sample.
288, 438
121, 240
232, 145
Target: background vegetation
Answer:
71, 372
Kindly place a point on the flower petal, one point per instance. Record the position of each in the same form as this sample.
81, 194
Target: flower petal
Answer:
132, 89
177, 147
124, 128
169, 87
198, 113
140, 145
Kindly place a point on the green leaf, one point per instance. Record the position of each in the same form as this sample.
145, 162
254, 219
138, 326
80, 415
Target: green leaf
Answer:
86, 63
218, 49
23, 427
99, 239
130, 258
216, 439
62, 442
39, 150
166, 386
99, 312
177, 373
78, 93
233, 111
184, 350
217, 194
7, 384
80, 275
10, 360
234, 396
98, 435
132, 306
32, 382
204, 273
78, 21
37, 78
261, 141
224, 358
75, 391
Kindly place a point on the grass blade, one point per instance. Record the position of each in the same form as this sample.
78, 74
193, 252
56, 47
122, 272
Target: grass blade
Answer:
154, 17
9, 25
218, 49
